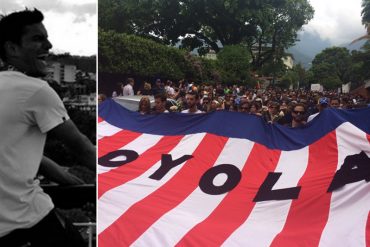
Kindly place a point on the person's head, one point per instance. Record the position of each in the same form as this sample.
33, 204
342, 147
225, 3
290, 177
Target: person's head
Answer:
101, 98
147, 86
283, 107
214, 105
130, 81
144, 105
335, 103
160, 102
244, 107
299, 113
323, 103
158, 83
273, 108
254, 108
206, 100
24, 42
192, 99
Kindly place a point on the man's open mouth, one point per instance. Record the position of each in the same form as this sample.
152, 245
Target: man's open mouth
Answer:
42, 58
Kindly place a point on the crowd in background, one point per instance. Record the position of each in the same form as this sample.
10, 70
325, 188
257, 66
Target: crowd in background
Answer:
286, 107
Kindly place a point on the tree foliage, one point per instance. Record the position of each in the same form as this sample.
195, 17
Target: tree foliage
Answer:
332, 67
233, 62
296, 77
277, 24
365, 12
132, 55
269, 26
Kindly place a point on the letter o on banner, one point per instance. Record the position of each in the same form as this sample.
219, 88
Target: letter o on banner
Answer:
106, 160
233, 177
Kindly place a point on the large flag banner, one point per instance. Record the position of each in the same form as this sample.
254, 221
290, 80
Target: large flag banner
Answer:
230, 179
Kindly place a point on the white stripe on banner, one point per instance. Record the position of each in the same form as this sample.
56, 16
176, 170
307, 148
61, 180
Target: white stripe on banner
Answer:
198, 205
106, 129
140, 145
113, 204
267, 219
349, 205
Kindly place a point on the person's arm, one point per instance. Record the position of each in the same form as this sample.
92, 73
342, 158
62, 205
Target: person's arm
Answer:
56, 173
79, 144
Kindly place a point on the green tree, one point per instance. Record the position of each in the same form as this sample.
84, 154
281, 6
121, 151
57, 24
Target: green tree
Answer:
332, 67
302, 75
233, 64
287, 80
365, 13
277, 26
132, 55
361, 65
204, 24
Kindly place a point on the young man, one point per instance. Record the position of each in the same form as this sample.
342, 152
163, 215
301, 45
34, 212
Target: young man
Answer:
29, 110
192, 99
160, 101
298, 115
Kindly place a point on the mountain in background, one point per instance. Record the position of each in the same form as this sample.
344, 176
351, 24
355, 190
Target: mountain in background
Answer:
310, 45
307, 47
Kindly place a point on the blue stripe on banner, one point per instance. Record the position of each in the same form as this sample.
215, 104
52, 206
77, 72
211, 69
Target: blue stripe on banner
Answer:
234, 124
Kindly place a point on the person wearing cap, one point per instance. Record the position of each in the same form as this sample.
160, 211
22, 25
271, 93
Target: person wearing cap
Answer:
322, 104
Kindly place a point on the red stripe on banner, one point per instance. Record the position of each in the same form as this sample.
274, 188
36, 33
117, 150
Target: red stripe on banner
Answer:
137, 219
309, 213
134, 169
112, 143
368, 137
235, 208
100, 120
367, 230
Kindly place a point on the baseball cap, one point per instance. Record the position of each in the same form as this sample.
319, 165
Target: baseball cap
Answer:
324, 101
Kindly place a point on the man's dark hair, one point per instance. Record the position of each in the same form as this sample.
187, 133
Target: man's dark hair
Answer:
129, 80
300, 104
161, 96
12, 27
193, 93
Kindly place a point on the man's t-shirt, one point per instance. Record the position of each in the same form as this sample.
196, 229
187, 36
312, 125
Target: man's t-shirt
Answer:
128, 90
187, 111
29, 108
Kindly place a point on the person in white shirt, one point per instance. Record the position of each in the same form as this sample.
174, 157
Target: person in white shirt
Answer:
192, 99
170, 91
29, 111
128, 90
321, 105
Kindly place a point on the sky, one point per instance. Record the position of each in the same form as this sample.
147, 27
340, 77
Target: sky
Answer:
336, 21
71, 24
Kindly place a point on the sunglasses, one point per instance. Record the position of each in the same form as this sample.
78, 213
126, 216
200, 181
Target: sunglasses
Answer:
299, 112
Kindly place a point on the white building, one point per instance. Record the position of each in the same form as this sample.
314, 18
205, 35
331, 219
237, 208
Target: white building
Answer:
211, 55
62, 73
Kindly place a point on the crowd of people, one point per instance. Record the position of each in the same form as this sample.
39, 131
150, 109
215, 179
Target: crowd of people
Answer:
292, 108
